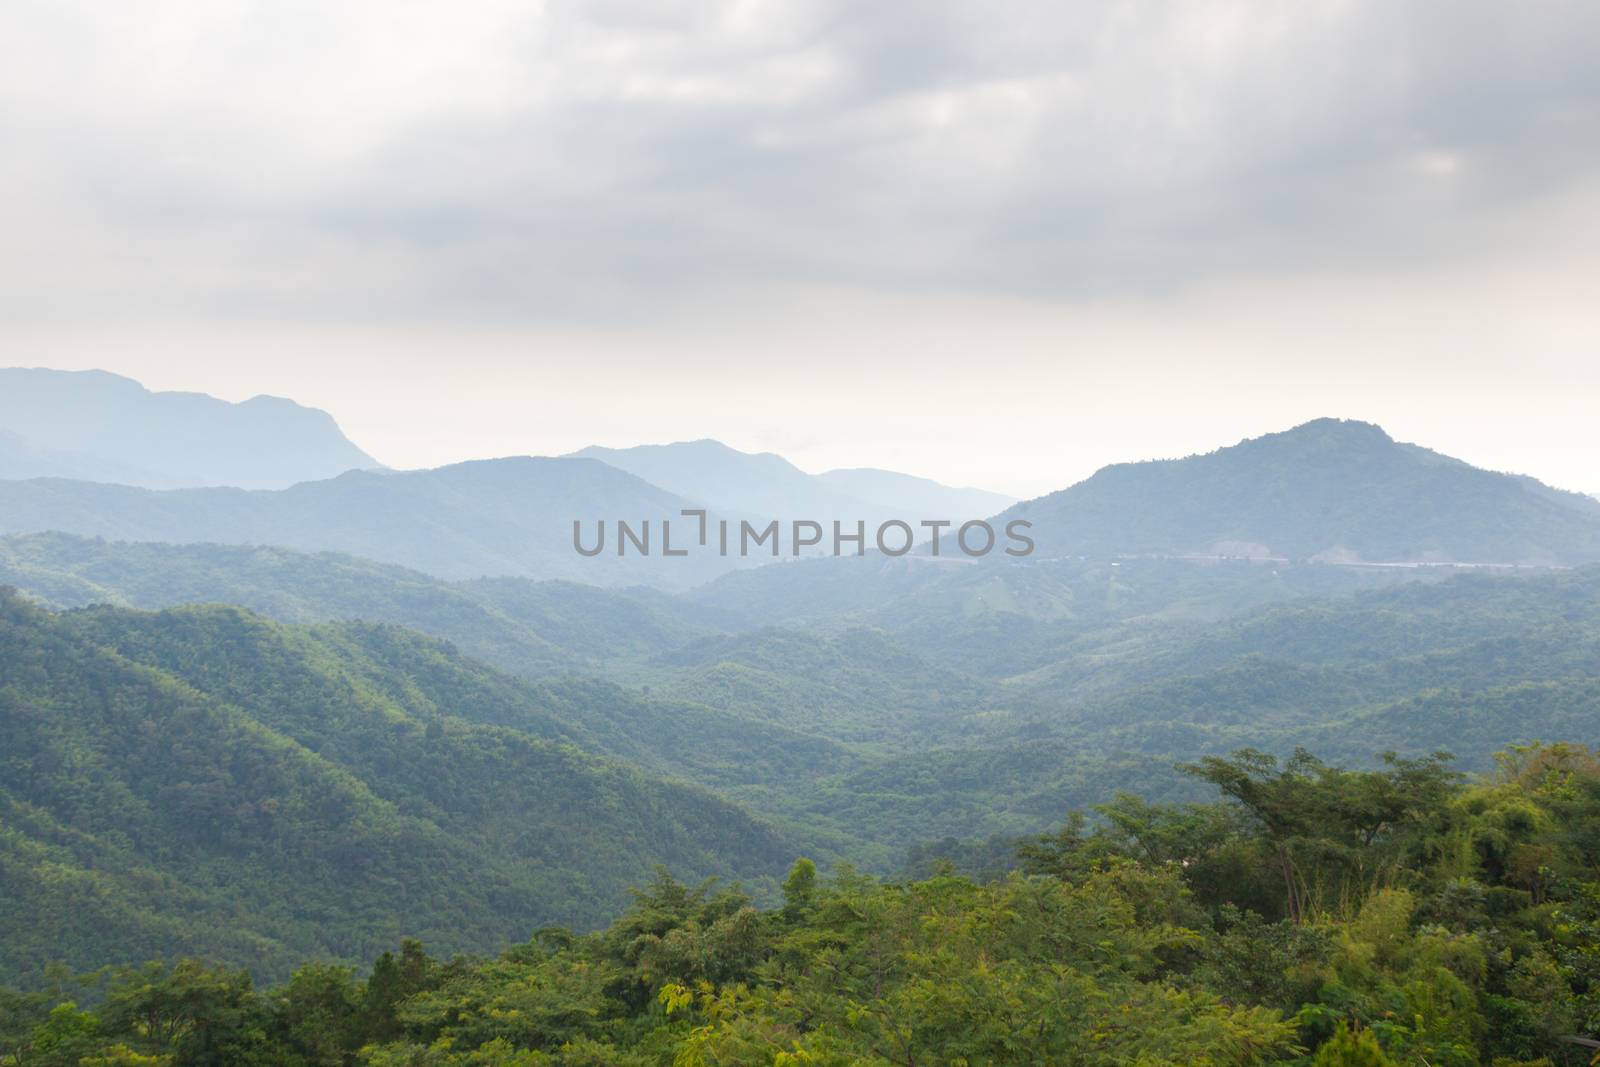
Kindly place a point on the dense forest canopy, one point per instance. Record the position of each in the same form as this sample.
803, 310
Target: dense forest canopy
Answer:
204, 780
704, 742
1309, 913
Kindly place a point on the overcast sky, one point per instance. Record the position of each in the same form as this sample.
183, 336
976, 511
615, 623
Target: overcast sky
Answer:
994, 243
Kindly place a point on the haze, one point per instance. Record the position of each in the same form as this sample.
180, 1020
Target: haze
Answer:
997, 244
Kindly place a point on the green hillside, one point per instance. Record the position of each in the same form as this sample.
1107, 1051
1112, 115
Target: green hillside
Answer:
204, 780
535, 629
981, 699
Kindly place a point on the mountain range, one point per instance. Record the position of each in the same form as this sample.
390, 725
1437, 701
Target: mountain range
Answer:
1334, 491
266, 724
101, 427
767, 485
480, 518
927, 664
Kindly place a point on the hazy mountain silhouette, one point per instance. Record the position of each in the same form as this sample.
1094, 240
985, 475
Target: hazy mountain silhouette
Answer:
908, 494
482, 518
1329, 489
765, 484
22, 458
99, 426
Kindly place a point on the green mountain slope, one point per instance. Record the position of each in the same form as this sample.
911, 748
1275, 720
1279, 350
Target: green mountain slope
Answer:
1469, 665
281, 791
534, 629
988, 697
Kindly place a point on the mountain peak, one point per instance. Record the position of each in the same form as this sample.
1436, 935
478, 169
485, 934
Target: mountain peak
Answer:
1326, 489
1347, 428
1325, 432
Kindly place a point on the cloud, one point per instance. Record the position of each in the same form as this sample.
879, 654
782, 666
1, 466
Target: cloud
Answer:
593, 161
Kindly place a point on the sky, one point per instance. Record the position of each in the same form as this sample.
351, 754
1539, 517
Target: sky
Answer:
995, 243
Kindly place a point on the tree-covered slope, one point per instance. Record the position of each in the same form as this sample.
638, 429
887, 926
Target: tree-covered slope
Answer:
999, 618
858, 685
279, 791
531, 628
987, 697
1469, 664
1464, 615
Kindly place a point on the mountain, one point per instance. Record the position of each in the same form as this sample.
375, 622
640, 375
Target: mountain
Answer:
768, 486
21, 458
529, 628
906, 494
483, 518
1329, 489
206, 781
1470, 665
983, 702
819, 683
97, 426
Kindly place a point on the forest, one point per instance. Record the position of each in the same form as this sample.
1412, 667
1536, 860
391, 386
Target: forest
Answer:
315, 756
1304, 912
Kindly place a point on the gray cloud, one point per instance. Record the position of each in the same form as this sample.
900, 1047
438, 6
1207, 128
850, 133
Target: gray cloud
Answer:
993, 242
584, 159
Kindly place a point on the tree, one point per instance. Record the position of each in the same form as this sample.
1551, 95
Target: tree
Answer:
1335, 834
1351, 1047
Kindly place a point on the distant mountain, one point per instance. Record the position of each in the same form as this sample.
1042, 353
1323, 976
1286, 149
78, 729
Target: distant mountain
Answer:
908, 494
1330, 489
482, 518
767, 485
97, 426
22, 458
203, 781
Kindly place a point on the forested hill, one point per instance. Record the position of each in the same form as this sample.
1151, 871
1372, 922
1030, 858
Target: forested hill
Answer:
531, 628
1332, 489
206, 781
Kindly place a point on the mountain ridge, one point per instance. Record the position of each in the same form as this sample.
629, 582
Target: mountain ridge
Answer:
100, 426
478, 518
768, 485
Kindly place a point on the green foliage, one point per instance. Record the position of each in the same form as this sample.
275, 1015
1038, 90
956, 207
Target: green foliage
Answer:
1351, 1048
921, 703
1116, 942
203, 781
